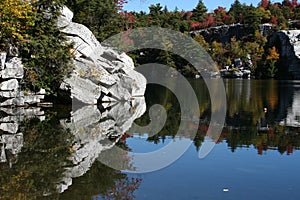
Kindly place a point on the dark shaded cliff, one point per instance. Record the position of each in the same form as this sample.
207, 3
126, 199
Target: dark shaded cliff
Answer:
288, 44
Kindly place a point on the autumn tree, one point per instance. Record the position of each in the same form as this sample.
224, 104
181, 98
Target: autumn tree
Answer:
264, 3
16, 18
272, 58
277, 16
294, 3
201, 41
220, 16
217, 53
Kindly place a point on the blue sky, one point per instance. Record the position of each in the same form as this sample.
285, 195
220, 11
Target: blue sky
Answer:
138, 5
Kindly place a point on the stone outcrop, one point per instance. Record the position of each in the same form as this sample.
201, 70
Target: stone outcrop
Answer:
288, 44
11, 72
224, 33
100, 73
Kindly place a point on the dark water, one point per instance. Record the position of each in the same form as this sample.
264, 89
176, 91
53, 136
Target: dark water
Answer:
256, 156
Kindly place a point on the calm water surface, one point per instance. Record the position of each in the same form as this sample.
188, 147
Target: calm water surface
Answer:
256, 157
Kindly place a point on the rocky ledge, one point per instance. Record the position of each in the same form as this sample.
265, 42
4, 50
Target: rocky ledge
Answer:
100, 73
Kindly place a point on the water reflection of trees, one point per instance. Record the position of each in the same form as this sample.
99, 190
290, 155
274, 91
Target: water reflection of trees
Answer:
250, 105
39, 166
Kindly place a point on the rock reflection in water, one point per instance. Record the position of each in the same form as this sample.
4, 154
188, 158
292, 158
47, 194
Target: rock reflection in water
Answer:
293, 112
41, 158
95, 132
11, 138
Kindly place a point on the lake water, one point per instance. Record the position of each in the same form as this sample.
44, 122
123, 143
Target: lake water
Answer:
63, 152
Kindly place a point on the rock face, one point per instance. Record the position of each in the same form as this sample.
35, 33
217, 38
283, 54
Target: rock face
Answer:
288, 44
100, 73
224, 33
11, 72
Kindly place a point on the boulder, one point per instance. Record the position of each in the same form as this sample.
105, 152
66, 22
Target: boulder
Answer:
9, 127
9, 85
13, 69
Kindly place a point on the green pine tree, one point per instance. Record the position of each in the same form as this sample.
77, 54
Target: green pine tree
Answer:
199, 13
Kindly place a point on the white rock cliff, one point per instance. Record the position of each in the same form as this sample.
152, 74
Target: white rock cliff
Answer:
100, 73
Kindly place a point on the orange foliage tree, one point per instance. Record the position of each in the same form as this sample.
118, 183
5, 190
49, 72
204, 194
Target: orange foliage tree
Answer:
16, 17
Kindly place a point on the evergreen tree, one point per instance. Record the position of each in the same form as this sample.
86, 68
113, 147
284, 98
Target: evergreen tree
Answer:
253, 18
47, 55
199, 13
236, 11
100, 16
155, 14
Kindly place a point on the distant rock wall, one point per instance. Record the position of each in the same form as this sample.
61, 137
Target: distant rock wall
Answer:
100, 73
224, 33
288, 44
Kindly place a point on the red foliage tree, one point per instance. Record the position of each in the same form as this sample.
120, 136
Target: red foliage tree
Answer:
294, 3
274, 20
124, 189
195, 25
210, 20
264, 3
120, 4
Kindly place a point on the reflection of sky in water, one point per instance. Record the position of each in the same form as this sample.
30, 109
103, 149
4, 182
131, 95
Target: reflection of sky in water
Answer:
148, 158
244, 173
139, 144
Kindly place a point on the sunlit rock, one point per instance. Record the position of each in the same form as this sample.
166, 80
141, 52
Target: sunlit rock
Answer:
98, 69
13, 69
11, 84
2, 59
11, 127
82, 89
